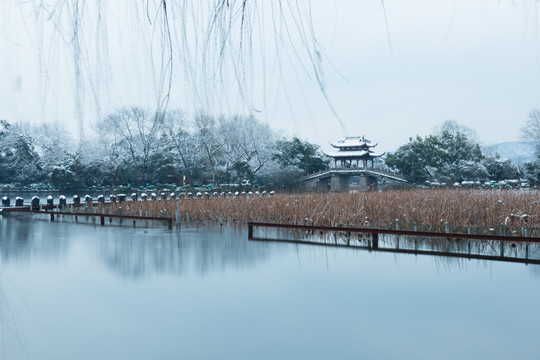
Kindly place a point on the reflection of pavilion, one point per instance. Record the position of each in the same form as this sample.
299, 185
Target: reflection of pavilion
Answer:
352, 151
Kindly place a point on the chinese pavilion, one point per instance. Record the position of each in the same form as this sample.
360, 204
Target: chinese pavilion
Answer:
353, 151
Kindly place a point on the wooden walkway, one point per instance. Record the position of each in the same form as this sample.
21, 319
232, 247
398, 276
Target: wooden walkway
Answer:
51, 211
375, 232
524, 250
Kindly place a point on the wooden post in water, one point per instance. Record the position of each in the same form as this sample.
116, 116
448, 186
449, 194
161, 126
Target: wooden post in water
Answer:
102, 218
469, 241
34, 204
397, 236
375, 238
250, 231
5, 201
177, 214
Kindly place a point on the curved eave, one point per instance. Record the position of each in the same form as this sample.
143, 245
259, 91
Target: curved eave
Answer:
353, 145
352, 154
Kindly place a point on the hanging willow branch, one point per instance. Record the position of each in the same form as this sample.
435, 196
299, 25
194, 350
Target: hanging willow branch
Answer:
218, 43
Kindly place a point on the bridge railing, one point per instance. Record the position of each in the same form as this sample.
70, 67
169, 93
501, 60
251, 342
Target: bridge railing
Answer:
386, 173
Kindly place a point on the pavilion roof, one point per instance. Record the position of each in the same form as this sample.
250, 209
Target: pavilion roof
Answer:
353, 154
353, 142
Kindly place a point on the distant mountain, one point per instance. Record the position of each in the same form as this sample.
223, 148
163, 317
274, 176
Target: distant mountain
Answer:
518, 152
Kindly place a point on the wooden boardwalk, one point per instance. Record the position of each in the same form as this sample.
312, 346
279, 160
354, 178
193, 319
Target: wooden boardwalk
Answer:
524, 250
375, 232
52, 211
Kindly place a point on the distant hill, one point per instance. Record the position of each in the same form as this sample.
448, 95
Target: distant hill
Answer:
518, 152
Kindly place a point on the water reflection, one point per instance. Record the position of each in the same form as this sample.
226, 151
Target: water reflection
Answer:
496, 250
131, 252
139, 253
23, 237
121, 292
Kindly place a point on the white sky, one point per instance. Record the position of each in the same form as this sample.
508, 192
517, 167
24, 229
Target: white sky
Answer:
476, 62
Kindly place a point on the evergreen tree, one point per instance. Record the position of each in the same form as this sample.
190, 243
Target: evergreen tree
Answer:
451, 155
301, 154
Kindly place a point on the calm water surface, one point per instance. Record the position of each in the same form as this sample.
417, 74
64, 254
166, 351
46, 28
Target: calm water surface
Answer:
79, 291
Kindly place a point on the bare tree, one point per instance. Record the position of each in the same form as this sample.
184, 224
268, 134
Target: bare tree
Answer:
209, 144
248, 140
180, 143
531, 130
132, 133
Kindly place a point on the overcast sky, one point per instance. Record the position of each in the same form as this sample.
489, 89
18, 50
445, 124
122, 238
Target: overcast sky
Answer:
475, 62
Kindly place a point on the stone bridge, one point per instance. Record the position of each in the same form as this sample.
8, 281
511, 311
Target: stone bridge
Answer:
337, 179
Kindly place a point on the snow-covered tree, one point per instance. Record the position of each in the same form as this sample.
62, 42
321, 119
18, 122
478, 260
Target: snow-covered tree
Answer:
300, 154
177, 148
450, 155
132, 136
248, 142
501, 169
19, 161
209, 145
53, 142
531, 130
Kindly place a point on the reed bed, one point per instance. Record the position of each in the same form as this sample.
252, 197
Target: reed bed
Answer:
427, 210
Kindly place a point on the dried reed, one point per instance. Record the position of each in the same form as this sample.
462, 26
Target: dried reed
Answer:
465, 208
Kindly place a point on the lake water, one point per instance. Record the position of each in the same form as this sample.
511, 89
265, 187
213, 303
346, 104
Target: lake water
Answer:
80, 291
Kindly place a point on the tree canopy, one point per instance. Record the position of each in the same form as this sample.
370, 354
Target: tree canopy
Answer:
301, 154
134, 146
450, 155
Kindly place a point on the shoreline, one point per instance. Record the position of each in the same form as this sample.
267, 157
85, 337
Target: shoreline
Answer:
443, 210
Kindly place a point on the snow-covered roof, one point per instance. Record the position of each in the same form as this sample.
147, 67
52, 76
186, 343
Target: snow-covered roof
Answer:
353, 142
352, 154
